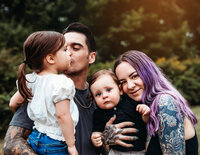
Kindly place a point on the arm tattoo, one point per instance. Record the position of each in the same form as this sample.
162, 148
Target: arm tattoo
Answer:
110, 135
171, 130
15, 142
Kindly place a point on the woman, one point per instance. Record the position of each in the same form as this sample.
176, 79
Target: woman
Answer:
171, 123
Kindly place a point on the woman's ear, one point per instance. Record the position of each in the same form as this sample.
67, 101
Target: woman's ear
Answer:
50, 59
92, 57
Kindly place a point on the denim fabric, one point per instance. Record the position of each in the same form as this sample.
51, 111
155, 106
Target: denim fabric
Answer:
42, 144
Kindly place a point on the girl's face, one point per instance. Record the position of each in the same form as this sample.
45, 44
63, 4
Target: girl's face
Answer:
63, 59
106, 92
130, 81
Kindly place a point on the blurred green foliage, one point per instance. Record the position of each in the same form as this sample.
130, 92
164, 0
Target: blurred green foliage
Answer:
168, 31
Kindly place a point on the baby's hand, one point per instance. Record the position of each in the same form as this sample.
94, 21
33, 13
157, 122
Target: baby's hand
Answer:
144, 110
96, 139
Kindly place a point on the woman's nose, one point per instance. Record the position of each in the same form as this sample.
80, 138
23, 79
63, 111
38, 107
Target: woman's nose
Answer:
130, 84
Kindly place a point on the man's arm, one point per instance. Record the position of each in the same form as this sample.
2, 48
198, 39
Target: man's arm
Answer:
15, 141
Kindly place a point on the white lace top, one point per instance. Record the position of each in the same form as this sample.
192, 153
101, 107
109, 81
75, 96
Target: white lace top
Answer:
47, 90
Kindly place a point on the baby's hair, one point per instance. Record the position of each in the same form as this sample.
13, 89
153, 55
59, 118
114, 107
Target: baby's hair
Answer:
36, 47
99, 73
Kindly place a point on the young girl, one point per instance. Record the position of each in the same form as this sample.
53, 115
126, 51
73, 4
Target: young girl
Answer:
171, 122
49, 95
107, 94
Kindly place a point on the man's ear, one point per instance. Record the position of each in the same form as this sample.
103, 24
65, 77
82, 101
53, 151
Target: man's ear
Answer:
50, 59
92, 57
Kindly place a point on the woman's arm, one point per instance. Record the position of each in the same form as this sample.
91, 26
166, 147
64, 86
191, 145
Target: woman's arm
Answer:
66, 123
15, 101
171, 130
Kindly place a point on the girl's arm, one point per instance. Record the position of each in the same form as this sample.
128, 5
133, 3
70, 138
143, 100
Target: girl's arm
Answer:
144, 110
66, 123
171, 130
16, 101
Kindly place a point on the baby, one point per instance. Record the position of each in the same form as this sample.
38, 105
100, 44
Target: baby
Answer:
111, 101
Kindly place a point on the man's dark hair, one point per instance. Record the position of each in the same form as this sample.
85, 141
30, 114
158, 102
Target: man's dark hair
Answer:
80, 28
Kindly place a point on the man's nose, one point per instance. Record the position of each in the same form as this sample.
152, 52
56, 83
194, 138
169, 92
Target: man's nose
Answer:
70, 53
69, 49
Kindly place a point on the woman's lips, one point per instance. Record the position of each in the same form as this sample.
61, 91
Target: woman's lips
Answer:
134, 93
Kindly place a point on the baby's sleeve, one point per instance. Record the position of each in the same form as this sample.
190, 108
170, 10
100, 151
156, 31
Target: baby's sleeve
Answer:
63, 89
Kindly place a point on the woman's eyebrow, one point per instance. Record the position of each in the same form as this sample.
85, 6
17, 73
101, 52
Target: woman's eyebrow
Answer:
132, 73
128, 76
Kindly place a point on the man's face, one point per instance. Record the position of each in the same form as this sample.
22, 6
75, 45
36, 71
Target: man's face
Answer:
80, 56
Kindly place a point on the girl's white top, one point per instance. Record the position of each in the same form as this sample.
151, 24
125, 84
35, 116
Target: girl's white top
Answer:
47, 90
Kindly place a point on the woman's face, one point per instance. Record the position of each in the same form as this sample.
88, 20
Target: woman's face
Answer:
130, 81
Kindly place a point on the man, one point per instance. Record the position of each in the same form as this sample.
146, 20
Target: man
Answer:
81, 44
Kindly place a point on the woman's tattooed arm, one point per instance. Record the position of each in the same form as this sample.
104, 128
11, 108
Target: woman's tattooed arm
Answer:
15, 142
171, 130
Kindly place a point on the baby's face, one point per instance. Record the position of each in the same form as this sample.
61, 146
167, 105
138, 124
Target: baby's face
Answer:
106, 92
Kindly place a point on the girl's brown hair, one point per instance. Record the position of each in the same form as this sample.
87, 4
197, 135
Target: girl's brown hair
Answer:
36, 47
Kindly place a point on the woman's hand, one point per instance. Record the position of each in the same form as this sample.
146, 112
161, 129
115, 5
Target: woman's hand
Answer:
96, 139
113, 134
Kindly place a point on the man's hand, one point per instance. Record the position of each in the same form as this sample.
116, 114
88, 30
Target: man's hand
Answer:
113, 134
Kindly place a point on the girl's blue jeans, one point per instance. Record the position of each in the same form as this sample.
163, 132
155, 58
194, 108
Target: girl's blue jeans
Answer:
43, 144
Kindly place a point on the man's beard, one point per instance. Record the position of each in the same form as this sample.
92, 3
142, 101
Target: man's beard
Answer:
75, 73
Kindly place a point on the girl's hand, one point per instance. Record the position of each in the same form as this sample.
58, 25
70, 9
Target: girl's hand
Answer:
72, 150
96, 139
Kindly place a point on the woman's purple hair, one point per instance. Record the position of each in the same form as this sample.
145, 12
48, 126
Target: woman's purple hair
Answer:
155, 84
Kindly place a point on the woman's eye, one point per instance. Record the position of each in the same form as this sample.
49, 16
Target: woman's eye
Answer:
122, 82
135, 76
